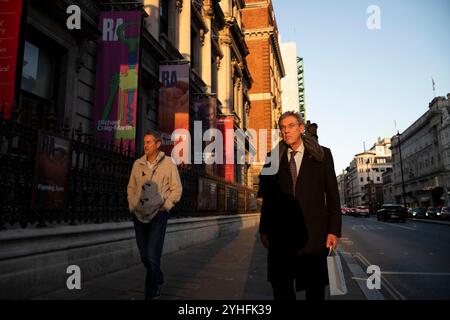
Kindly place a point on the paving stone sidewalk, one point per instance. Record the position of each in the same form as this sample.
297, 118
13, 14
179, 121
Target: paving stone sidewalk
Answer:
232, 267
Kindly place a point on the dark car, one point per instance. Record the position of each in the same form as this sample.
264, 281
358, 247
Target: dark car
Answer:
431, 212
444, 213
417, 212
392, 212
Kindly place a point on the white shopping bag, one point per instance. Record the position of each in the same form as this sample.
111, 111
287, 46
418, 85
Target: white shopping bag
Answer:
335, 274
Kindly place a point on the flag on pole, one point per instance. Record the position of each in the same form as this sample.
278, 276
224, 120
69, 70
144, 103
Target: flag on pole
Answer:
434, 85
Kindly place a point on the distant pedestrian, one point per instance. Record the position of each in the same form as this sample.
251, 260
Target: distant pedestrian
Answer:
300, 214
311, 129
311, 141
153, 189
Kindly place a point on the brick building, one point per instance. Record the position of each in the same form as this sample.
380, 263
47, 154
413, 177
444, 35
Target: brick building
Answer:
266, 67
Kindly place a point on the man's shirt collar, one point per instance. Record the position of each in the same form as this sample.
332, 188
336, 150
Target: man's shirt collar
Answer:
300, 149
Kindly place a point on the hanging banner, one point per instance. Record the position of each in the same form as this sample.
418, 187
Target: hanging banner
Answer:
205, 111
118, 76
10, 19
226, 170
173, 103
52, 172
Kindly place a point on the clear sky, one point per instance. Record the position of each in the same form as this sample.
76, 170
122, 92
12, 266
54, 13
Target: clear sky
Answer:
357, 80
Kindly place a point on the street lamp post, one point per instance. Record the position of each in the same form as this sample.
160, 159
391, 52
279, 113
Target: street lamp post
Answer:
368, 184
401, 168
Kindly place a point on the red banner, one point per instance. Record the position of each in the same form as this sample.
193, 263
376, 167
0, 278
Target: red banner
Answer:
10, 17
226, 170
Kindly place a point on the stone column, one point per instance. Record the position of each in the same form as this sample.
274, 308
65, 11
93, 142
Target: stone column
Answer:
151, 7
174, 13
206, 46
184, 28
225, 83
226, 7
239, 105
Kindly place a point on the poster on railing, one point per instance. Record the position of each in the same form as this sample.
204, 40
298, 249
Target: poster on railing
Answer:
226, 170
118, 76
51, 172
10, 18
251, 201
207, 194
173, 105
232, 198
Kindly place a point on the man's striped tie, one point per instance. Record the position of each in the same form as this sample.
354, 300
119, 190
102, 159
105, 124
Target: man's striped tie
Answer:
293, 169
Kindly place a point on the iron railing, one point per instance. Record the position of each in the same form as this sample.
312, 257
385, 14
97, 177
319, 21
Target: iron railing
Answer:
97, 181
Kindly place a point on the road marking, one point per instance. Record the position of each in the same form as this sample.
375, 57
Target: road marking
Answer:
346, 241
394, 225
359, 279
387, 284
360, 276
366, 227
417, 273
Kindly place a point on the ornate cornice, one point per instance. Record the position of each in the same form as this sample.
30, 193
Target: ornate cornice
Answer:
225, 37
179, 5
200, 22
201, 34
208, 8
270, 33
218, 62
260, 32
236, 34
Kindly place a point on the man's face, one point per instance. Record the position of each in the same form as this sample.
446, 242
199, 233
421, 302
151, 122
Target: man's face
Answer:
151, 145
291, 130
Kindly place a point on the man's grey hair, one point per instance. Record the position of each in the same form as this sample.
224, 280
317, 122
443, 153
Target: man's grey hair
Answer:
291, 114
155, 134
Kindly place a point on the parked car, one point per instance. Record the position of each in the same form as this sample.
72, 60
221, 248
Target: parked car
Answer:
363, 211
431, 212
417, 212
444, 213
344, 210
392, 212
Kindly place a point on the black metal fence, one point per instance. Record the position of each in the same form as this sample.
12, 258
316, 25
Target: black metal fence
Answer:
97, 181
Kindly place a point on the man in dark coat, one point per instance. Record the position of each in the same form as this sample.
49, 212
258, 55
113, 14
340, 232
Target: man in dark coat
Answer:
300, 214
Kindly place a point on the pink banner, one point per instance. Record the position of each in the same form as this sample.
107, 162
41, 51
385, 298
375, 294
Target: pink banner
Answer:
118, 76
